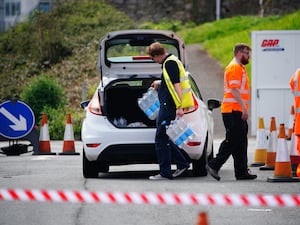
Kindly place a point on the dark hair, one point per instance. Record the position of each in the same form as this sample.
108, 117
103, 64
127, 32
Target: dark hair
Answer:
241, 47
155, 49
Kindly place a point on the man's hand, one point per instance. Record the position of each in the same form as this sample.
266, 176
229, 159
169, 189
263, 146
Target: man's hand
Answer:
179, 112
155, 84
237, 95
245, 114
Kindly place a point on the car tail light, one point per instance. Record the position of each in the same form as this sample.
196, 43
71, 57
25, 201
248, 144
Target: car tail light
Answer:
94, 106
93, 145
194, 143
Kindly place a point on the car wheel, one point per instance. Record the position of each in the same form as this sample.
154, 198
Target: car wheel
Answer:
103, 168
89, 168
199, 169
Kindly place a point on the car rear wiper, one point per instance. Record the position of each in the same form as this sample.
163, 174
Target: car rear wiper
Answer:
133, 76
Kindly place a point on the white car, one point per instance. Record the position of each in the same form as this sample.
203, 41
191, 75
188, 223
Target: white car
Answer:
115, 130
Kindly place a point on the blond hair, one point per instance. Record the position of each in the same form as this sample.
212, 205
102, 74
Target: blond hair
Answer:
155, 49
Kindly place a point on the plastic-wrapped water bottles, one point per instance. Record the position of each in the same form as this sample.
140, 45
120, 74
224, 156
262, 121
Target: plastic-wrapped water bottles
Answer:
149, 103
179, 132
120, 122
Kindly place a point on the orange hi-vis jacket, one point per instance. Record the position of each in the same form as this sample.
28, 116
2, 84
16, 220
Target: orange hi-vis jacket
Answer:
235, 76
295, 86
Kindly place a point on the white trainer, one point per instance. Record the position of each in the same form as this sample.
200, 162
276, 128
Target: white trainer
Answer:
157, 177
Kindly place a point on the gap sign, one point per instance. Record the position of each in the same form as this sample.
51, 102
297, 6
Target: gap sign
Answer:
16, 119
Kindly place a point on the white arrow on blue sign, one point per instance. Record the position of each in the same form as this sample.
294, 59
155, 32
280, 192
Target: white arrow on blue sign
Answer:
16, 119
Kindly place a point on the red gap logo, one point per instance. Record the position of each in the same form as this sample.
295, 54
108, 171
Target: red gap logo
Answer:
271, 45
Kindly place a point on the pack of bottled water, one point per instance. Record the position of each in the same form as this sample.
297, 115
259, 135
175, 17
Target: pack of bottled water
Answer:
179, 132
149, 103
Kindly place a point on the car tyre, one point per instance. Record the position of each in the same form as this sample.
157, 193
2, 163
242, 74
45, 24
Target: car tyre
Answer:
104, 168
199, 169
89, 168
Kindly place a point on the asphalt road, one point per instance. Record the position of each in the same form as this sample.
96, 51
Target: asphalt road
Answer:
58, 172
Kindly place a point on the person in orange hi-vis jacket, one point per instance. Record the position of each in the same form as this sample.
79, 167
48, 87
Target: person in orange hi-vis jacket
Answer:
235, 106
295, 86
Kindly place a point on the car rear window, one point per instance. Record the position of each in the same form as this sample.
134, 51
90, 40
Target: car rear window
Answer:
127, 53
133, 47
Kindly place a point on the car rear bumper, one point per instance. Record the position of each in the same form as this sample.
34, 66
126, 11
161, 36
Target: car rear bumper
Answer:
127, 145
128, 154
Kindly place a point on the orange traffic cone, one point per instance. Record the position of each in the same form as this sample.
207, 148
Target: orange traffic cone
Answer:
44, 142
69, 143
291, 123
272, 146
261, 144
283, 168
298, 171
202, 219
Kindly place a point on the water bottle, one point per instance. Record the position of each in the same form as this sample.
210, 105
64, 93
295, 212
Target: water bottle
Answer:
179, 132
122, 122
174, 133
187, 131
115, 122
171, 132
149, 103
153, 103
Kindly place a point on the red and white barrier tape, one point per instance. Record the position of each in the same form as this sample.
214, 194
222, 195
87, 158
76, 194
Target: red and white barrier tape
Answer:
278, 200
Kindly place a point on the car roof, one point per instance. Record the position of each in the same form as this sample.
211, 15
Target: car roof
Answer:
115, 59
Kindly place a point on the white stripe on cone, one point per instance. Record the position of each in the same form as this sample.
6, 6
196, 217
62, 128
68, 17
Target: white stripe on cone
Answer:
261, 138
282, 153
44, 134
69, 134
272, 145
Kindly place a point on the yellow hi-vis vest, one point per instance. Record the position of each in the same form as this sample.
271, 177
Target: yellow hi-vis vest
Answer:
187, 97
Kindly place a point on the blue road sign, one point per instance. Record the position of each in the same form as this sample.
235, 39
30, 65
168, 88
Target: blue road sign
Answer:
16, 119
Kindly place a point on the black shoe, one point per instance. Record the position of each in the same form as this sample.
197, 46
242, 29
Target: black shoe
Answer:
246, 177
213, 172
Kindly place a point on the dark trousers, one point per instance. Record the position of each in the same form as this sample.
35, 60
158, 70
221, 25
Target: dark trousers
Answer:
235, 144
166, 150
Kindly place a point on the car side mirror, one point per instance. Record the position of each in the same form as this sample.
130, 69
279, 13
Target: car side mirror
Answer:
84, 104
213, 104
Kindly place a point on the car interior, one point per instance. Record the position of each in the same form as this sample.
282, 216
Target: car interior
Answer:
121, 103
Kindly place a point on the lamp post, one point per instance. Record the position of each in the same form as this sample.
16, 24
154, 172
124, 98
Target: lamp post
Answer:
218, 9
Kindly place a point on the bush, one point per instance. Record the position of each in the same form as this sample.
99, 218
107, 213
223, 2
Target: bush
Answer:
43, 92
57, 122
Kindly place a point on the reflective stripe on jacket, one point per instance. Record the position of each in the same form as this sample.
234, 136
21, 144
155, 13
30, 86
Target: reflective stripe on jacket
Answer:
235, 76
295, 86
187, 97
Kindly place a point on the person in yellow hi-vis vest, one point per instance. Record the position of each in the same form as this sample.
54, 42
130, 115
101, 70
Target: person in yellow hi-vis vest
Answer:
235, 106
174, 95
295, 87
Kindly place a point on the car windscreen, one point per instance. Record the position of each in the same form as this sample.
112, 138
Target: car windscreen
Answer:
133, 48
